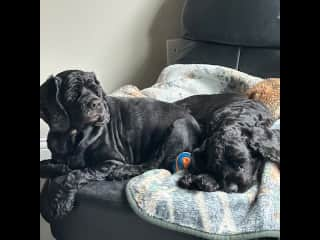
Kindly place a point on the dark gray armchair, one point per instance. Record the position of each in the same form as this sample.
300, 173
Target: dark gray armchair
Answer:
244, 35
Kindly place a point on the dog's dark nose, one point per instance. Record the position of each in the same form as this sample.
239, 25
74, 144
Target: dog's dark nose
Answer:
233, 188
94, 104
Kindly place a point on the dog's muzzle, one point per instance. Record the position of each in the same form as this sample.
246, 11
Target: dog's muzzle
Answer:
101, 122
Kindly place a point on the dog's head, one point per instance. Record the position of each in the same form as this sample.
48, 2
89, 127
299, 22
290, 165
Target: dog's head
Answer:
236, 156
72, 100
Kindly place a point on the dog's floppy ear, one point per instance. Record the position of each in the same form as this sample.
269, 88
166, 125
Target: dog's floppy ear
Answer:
43, 116
94, 77
199, 156
266, 143
51, 109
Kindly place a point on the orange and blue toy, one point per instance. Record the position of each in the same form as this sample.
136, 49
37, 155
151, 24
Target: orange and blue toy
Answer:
182, 162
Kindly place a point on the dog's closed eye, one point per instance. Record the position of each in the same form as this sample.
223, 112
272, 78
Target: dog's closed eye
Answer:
237, 164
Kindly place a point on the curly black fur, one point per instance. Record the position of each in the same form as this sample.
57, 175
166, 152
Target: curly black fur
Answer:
237, 142
95, 137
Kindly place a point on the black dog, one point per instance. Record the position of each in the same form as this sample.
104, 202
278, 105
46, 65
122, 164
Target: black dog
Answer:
96, 137
237, 142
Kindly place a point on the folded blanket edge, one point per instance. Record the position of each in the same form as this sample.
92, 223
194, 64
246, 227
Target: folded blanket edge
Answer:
183, 229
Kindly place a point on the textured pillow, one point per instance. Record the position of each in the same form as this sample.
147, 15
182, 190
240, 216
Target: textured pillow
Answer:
267, 92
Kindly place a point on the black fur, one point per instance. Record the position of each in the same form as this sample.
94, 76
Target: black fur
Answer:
96, 137
237, 142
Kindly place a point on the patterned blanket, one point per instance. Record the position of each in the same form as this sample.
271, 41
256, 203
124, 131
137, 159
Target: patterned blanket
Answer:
155, 196
180, 81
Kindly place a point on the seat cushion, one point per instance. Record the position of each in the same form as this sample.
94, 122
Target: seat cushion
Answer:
103, 213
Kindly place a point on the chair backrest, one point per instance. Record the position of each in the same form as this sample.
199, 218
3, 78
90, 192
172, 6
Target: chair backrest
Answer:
244, 35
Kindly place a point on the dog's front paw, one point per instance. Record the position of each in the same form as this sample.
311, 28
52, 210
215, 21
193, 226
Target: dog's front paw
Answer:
206, 183
117, 174
73, 180
64, 169
186, 181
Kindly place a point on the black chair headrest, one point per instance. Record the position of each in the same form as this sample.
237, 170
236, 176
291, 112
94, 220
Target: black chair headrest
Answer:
251, 23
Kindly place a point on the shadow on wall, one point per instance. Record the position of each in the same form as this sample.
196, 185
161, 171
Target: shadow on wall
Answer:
166, 25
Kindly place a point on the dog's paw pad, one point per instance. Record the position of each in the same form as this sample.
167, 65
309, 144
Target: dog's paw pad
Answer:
185, 181
205, 183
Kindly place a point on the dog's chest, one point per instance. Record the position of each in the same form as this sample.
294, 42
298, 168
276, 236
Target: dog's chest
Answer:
103, 150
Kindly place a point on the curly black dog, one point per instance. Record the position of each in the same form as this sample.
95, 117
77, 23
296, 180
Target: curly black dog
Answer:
96, 137
237, 142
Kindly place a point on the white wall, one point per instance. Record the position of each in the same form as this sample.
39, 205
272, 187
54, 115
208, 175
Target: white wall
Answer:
122, 41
